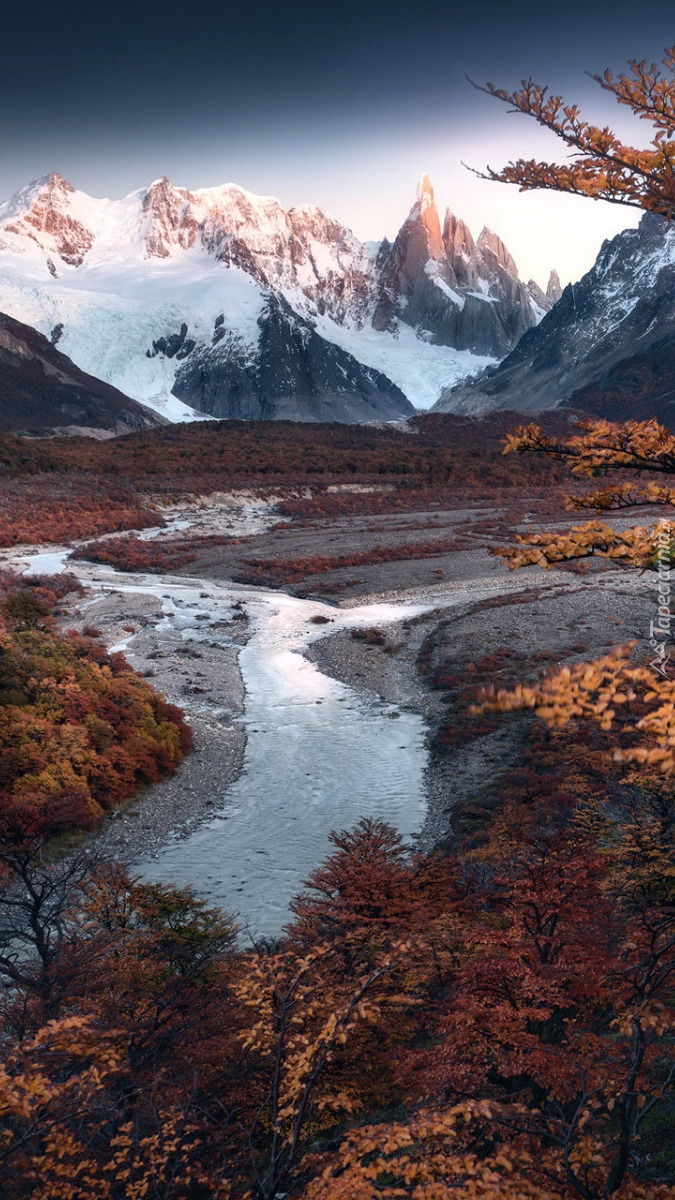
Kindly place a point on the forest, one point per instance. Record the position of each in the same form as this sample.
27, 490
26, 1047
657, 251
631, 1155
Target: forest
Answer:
493, 1021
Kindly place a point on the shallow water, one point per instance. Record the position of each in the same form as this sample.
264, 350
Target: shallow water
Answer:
318, 758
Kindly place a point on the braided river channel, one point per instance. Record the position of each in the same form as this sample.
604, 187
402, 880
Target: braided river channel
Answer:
319, 756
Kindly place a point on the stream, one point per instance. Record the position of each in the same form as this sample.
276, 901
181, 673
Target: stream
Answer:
319, 756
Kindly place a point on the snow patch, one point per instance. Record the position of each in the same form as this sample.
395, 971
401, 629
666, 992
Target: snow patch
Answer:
421, 370
493, 299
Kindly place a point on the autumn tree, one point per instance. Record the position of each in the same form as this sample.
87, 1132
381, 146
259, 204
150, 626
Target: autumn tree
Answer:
639, 448
304, 1015
560, 1012
74, 1127
368, 890
601, 165
607, 1018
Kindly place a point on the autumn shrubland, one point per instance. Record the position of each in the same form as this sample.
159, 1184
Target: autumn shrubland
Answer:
274, 571
131, 553
493, 1022
48, 508
75, 488
80, 730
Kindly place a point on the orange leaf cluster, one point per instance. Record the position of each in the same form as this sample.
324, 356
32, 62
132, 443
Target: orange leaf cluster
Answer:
633, 446
601, 166
609, 691
635, 547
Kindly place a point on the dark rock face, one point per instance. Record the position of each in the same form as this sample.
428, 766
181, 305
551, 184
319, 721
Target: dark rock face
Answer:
452, 290
638, 388
176, 345
603, 331
42, 392
293, 374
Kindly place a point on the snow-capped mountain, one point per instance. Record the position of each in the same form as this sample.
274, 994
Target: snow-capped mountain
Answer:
457, 291
223, 303
608, 345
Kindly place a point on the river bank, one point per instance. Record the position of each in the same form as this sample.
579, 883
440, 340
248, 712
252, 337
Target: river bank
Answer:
530, 620
284, 754
196, 670
308, 715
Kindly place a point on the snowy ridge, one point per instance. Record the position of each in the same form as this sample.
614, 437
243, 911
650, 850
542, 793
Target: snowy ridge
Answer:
136, 290
589, 347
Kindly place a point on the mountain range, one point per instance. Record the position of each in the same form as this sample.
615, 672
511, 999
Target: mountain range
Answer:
221, 303
606, 348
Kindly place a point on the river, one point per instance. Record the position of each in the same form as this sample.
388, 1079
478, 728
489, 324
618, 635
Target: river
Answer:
319, 756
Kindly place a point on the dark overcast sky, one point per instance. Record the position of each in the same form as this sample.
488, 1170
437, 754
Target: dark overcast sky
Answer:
336, 103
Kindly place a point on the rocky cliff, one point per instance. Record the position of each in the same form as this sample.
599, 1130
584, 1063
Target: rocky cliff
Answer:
608, 337
454, 290
360, 330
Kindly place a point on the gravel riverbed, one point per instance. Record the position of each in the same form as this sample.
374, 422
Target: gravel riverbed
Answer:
478, 608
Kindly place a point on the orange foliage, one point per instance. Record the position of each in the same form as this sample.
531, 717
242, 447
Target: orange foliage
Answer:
497, 1023
601, 165
132, 553
73, 719
633, 446
612, 693
68, 1137
48, 508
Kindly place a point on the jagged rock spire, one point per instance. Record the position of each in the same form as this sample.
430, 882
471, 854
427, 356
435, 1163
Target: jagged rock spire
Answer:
425, 213
425, 191
454, 290
490, 243
554, 289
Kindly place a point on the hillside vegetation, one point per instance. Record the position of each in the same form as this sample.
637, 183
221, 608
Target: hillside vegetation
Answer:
70, 488
80, 731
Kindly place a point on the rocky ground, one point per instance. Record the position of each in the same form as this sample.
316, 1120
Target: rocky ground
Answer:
347, 535
563, 619
203, 678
